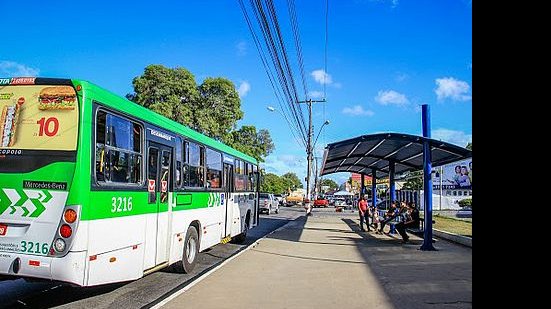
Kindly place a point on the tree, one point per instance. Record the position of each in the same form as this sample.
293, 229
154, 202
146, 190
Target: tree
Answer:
330, 183
272, 184
212, 108
219, 108
257, 145
414, 181
169, 92
291, 181
469, 146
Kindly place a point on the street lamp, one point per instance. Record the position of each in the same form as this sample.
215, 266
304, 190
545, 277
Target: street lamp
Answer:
316, 140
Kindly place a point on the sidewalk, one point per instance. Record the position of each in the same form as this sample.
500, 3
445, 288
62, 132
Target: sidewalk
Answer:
324, 261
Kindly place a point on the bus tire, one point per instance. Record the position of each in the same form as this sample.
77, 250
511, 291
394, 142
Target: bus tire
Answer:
191, 250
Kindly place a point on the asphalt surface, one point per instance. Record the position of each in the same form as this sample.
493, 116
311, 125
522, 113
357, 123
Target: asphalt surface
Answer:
142, 293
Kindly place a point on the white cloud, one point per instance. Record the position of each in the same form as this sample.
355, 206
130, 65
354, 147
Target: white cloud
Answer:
387, 97
458, 138
241, 48
322, 77
449, 87
357, 110
243, 89
14, 69
315, 94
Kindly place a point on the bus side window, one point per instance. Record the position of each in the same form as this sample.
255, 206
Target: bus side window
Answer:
178, 155
118, 149
196, 163
214, 169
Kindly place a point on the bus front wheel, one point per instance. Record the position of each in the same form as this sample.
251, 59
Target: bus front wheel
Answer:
191, 250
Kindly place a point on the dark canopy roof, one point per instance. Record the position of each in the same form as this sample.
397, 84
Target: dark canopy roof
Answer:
361, 154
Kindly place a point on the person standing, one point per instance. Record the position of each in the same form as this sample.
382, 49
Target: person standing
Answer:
362, 209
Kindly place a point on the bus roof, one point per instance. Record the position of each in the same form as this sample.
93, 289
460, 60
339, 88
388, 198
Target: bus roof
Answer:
122, 104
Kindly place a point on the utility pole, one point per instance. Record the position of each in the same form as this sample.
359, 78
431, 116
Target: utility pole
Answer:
309, 151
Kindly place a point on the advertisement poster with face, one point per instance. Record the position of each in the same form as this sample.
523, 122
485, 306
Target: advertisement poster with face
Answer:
457, 175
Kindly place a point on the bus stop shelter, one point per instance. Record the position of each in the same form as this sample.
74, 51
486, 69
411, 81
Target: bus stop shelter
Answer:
388, 154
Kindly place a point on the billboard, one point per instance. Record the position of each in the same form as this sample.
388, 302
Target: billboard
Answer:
38, 117
457, 175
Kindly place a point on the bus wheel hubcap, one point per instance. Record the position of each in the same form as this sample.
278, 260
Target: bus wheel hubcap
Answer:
191, 250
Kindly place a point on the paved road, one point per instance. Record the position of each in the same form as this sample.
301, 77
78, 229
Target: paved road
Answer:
144, 292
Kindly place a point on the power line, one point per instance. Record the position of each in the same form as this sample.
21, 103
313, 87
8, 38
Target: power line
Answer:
267, 68
266, 17
325, 64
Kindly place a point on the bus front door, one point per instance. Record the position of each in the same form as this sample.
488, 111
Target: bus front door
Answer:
159, 185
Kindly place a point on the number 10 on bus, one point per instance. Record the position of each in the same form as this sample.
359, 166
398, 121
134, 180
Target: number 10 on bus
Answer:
46, 128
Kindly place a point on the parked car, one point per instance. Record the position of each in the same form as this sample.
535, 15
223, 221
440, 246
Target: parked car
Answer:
465, 212
268, 203
280, 199
321, 202
340, 203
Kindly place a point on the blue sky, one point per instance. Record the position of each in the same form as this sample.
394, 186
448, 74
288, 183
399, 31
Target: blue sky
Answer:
385, 58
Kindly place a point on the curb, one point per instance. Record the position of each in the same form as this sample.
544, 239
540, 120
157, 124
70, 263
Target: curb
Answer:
462, 240
205, 275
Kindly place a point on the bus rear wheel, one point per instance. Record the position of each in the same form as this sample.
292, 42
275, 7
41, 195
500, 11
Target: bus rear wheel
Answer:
191, 250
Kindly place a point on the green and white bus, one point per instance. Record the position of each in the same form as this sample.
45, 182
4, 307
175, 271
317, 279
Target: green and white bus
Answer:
96, 189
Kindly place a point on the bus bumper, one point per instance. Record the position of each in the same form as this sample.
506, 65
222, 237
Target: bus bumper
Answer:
70, 268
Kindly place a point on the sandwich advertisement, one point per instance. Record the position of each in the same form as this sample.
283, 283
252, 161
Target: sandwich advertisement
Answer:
38, 117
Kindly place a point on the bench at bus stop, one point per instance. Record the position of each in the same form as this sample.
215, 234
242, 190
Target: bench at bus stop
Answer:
418, 232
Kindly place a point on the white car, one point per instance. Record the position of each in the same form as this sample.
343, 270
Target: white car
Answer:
280, 199
268, 203
340, 203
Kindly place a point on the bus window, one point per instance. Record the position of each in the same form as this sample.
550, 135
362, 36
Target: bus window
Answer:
118, 149
178, 153
250, 176
239, 181
214, 169
255, 177
196, 162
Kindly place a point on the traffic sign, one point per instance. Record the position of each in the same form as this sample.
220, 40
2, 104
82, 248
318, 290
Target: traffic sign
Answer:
164, 185
151, 185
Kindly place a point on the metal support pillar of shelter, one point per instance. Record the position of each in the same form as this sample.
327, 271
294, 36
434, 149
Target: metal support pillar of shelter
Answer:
392, 183
373, 187
362, 186
427, 181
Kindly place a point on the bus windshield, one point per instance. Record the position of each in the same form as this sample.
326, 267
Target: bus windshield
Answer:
38, 117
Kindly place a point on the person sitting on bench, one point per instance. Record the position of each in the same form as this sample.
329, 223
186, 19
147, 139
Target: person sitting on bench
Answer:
389, 216
412, 221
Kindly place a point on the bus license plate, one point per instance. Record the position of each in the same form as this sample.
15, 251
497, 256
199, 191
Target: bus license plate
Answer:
3, 229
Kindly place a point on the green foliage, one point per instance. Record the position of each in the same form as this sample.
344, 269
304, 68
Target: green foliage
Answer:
466, 202
414, 181
291, 181
272, 184
469, 146
246, 139
219, 108
169, 92
330, 183
212, 108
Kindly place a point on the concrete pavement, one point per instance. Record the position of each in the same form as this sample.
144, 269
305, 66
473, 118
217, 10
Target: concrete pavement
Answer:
324, 261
